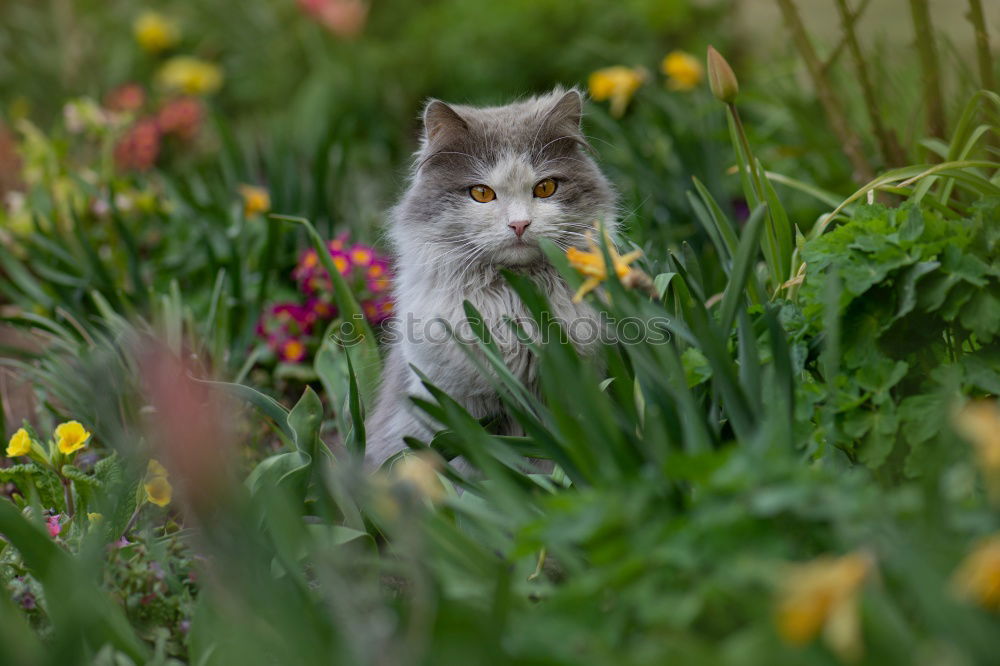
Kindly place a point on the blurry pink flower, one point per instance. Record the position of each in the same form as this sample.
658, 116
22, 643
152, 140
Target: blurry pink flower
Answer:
52, 523
378, 310
344, 18
321, 309
140, 146
181, 117
361, 255
293, 351
127, 97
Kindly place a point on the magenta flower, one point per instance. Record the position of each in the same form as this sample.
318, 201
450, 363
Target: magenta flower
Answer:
378, 310
52, 523
321, 309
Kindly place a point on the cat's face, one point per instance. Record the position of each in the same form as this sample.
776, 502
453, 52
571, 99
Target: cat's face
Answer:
490, 182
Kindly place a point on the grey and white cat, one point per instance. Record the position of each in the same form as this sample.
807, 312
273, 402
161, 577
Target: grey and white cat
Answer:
486, 185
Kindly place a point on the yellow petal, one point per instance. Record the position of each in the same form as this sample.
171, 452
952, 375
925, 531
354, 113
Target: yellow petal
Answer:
159, 491
71, 436
20, 443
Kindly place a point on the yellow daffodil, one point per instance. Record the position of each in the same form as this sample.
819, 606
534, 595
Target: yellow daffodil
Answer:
20, 443
617, 84
683, 70
591, 265
190, 76
256, 200
71, 436
155, 469
158, 490
822, 595
420, 472
979, 422
978, 577
155, 32
157, 487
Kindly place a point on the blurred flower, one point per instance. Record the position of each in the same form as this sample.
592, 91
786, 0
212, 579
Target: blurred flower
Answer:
978, 577
682, 69
293, 351
53, 525
321, 309
157, 486
20, 443
378, 310
181, 117
591, 264
17, 217
84, 114
155, 32
127, 97
822, 595
618, 84
362, 255
158, 490
190, 76
140, 146
344, 18
342, 263
979, 422
95, 518
256, 200
419, 472
71, 436
721, 78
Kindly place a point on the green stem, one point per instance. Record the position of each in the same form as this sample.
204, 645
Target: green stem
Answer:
891, 153
849, 141
929, 66
986, 77
68, 496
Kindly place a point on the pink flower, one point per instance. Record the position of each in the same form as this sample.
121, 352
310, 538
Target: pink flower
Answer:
361, 255
127, 97
344, 18
140, 146
52, 523
181, 117
321, 309
293, 351
378, 310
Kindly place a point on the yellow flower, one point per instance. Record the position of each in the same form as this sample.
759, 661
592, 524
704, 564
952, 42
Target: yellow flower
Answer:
158, 490
682, 69
591, 264
978, 577
95, 517
822, 595
255, 200
420, 472
190, 76
20, 443
155, 469
71, 436
155, 32
979, 422
618, 84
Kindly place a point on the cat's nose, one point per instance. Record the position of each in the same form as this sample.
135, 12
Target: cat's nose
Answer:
519, 226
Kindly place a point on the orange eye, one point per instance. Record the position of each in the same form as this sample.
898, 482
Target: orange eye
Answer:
545, 188
482, 193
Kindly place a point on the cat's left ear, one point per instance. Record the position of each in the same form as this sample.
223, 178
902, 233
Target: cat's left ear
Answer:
565, 115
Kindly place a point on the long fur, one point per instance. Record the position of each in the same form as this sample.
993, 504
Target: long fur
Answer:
450, 248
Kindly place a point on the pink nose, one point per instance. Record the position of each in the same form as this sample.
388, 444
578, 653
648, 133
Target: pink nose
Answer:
519, 226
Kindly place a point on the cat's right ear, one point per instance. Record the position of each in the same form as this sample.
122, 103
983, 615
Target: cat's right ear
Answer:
442, 124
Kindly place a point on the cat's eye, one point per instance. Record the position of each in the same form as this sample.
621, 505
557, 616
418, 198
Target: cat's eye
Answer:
545, 188
482, 193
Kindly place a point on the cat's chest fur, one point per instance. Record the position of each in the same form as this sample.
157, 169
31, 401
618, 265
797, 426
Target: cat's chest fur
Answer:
432, 302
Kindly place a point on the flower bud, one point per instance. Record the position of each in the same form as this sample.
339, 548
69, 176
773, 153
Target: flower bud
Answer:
721, 78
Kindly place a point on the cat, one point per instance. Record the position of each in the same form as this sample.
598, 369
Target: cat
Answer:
486, 184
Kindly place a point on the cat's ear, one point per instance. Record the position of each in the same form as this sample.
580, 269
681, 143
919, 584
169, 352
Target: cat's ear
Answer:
442, 123
567, 112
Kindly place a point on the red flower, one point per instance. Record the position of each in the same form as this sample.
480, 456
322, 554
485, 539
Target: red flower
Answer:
52, 523
181, 117
140, 146
127, 97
